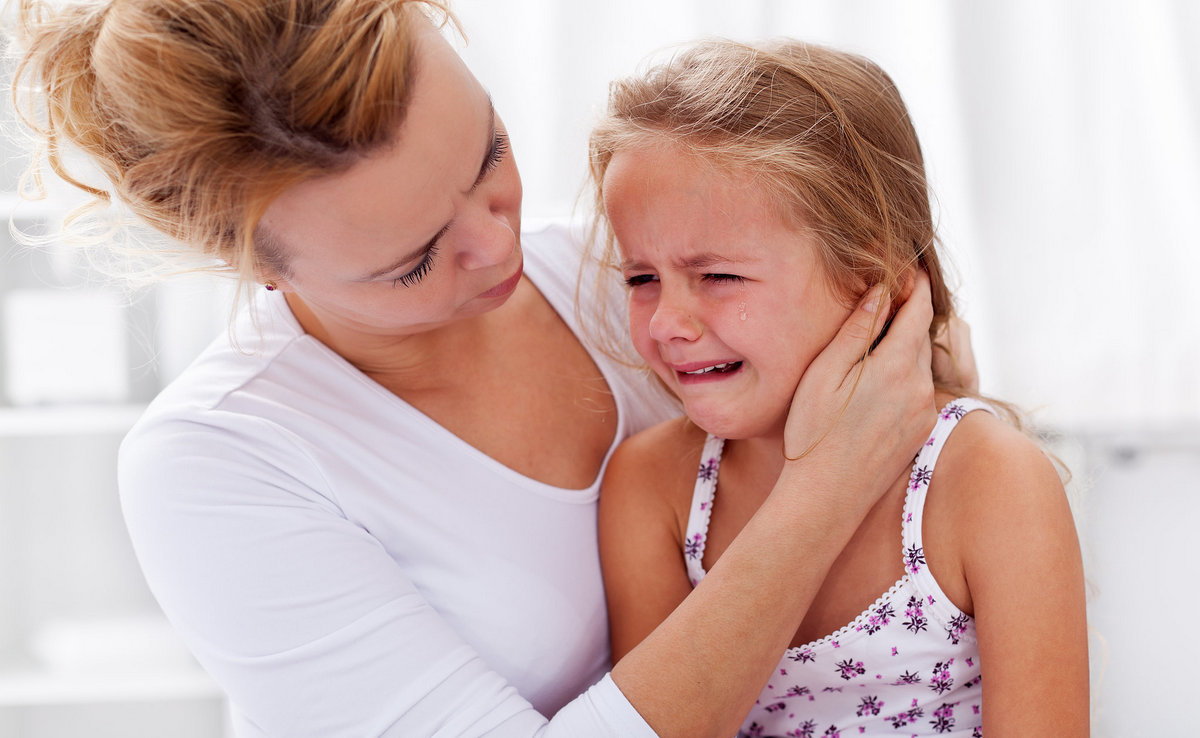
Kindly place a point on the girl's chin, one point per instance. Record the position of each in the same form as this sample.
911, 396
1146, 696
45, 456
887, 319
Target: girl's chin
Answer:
736, 426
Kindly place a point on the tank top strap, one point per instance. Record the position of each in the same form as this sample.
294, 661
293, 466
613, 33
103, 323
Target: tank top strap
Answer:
918, 483
700, 514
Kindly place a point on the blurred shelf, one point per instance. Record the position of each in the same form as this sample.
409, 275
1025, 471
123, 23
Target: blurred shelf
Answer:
32, 422
30, 688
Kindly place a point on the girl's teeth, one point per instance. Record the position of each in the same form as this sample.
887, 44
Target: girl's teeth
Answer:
706, 370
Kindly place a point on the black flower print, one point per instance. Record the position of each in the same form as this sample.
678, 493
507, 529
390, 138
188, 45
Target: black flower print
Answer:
957, 627
754, 731
908, 677
775, 707
943, 718
941, 681
977, 732
973, 682
869, 706
915, 612
914, 558
691, 549
919, 478
807, 729
909, 716
832, 732
798, 691
849, 669
879, 618
953, 410
708, 470
804, 655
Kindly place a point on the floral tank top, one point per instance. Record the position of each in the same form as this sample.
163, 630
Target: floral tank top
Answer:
907, 666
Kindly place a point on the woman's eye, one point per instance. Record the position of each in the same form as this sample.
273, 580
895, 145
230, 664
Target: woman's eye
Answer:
719, 278
499, 149
638, 280
411, 278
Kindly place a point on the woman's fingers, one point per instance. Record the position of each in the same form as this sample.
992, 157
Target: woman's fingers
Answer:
856, 334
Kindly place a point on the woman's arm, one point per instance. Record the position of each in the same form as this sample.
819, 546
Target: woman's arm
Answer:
700, 670
1021, 560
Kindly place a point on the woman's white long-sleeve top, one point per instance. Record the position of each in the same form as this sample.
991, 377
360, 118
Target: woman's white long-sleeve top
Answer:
344, 566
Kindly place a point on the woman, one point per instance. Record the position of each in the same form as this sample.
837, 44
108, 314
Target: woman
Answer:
371, 510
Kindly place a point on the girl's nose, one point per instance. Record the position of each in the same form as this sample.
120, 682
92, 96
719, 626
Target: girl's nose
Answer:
672, 322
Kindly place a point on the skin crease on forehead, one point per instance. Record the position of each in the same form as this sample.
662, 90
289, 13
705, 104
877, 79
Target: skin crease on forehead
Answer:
335, 230
667, 206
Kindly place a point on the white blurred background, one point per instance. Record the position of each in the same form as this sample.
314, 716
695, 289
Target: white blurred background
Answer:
1063, 143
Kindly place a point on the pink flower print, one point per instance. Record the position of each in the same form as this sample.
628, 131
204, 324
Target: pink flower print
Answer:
849, 669
832, 732
783, 672
914, 559
804, 656
775, 707
975, 707
836, 644
703, 506
797, 691
869, 706
754, 731
970, 661
806, 730
943, 718
907, 717
915, 612
977, 732
708, 470
691, 549
930, 441
973, 682
953, 410
919, 478
880, 618
908, 677
941, 681
895, 651
957, 627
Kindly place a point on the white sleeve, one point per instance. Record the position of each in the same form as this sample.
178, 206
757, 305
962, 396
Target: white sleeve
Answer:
299, 613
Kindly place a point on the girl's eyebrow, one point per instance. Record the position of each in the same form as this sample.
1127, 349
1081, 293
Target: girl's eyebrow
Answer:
694, 261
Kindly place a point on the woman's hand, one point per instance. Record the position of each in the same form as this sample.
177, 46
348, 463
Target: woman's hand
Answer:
867, 417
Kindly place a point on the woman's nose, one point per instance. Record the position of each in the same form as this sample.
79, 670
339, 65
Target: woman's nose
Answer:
489, 243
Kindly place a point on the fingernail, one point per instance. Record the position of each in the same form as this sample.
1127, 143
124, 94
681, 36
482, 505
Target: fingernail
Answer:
873, 299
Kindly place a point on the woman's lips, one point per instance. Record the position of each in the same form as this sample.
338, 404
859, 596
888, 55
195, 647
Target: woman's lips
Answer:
506, 287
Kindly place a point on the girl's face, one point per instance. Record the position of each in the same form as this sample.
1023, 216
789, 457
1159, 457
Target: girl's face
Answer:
728, 303
421, 233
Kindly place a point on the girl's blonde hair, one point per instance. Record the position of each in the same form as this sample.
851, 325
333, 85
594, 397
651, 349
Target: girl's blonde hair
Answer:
199, 113
823, 132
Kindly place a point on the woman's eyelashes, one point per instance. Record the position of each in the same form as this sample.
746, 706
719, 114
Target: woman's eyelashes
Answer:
499, 149
410, 278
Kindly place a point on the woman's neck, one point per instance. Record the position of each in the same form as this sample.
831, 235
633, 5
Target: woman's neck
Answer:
430, 360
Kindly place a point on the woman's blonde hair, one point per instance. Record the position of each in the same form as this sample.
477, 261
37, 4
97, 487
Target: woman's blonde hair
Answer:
823, 132
199, 113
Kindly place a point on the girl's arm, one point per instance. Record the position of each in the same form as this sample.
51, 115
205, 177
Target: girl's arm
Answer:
700, 670
1021, 561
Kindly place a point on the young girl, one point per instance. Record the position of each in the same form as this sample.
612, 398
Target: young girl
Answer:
756, 193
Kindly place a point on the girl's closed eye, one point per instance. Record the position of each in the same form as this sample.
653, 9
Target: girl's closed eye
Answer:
723, 278
637, 280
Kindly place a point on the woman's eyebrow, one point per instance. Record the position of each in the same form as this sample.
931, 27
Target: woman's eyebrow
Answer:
483, 170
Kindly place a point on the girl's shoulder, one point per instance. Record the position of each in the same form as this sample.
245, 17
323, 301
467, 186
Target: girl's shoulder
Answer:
656, 468
993, 487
